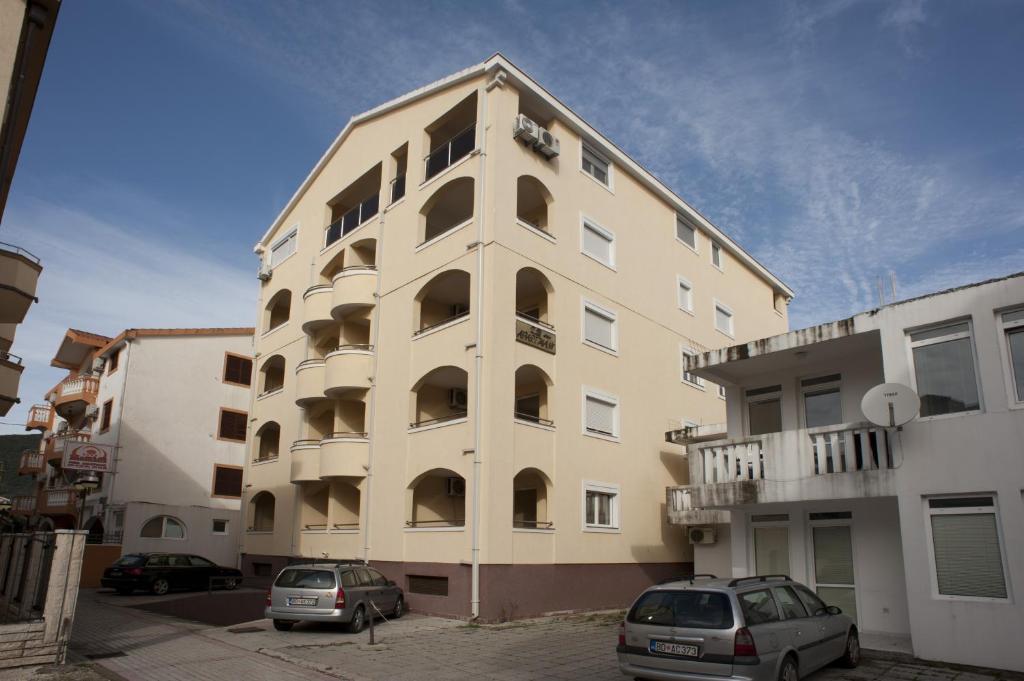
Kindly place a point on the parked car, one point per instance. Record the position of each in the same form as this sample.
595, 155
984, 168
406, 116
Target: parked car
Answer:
332, 592
161, 572
763, 628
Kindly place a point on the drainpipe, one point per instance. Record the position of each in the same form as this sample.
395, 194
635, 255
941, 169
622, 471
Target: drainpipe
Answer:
371, 421
243, 504
120, 425
478, 357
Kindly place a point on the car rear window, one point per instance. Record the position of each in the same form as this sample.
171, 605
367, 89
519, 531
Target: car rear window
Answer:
130, 560
758, 607
694, 609
306, 579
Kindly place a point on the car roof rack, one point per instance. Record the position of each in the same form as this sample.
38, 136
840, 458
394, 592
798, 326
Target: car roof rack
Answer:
688, 578
760, 578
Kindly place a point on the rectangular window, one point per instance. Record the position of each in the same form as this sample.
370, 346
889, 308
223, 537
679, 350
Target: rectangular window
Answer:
220, 526
113, 361
227, 481
823, 405
600, 506
721, 392
764, 410
965, 546
428, 586
600, 414
596, 166
105, 414
600, 327
237, 369
724, 319
598, 243
1013, 326
232, 425
685, 294
944, 367
686, 232
716, 255
284, 248
687, 377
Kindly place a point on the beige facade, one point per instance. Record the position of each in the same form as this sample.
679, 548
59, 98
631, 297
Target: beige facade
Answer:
460, 355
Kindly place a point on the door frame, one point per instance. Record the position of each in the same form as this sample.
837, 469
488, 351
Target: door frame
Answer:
751, 547
812, 576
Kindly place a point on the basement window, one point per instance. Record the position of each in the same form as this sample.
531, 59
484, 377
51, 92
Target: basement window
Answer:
428, 586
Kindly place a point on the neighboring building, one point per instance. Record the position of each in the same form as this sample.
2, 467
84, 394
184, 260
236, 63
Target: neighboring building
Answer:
12, 448
25, 30
916, 532
460, 350
172, 403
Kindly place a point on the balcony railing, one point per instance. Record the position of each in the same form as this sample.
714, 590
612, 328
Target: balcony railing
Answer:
39, 416
440, 419
31, 463
455, 149
24, 504
534, 418
435, 523
352, 219
60, 498
79, 385
448, 320
55, 448
397, 188
533, 524
345, 435
364, 347
11, 248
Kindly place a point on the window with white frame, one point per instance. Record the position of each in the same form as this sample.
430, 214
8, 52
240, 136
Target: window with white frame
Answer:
823, 401
283, 248
686, 232
219, 526
600, 414
716, 255
684, 293
721, 391
724, 319
600, 506
944, 368
687, 377
596, 166
965, 547
1013, 327
600, 327
163, 527
598, 243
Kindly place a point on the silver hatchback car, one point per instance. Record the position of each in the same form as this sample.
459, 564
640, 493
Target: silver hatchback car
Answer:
763, 628
332, 592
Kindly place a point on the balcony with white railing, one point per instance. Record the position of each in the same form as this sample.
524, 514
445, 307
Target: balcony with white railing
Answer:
54, 450
842, 461
31, 463
73, 395
680, 510
39, 417
24, 504
58, 501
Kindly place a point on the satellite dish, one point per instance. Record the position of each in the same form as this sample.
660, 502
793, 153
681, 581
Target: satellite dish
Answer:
890, 405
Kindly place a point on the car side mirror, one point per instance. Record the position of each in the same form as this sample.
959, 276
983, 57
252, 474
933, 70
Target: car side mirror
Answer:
833, 610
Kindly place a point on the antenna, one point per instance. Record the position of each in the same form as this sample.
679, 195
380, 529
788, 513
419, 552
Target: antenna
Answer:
881, 292
892, 284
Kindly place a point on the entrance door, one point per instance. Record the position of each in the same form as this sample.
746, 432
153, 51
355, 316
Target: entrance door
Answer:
771, 550
833, 565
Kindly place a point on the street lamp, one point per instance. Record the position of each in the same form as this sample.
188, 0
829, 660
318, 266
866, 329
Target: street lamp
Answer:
85, 483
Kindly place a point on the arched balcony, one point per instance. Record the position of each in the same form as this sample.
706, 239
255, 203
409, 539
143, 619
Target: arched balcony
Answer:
309, 381
261, 512
344, 511
531, 395
268, 442
278, 310
355, 284
449, 208
317, 303
442, 300
436, 499
439, 397
530, 493
345, 452
272, 374
314, 501
532, 202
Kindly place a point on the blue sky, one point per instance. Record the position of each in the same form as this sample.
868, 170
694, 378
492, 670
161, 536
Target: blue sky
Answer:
835, 140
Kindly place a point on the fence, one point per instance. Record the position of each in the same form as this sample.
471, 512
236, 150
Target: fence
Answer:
39, 573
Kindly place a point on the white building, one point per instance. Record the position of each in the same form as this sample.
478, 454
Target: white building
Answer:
917, 532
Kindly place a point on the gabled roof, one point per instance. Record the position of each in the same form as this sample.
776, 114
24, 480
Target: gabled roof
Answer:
74, 347
568, 117
129, 334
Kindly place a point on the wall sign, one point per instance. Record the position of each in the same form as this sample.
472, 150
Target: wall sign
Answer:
536, 336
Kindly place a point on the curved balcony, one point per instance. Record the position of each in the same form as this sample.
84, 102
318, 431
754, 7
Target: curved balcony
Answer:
305, 461
344, 455
31, 463
309, 381
54, 450
354, 286
73, 395
24, 504
316, 307
39, 417
349, 367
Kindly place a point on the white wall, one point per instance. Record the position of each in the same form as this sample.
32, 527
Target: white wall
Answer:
200, 539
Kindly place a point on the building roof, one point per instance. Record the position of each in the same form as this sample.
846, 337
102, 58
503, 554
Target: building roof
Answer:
496, 63
129, 334
74, 347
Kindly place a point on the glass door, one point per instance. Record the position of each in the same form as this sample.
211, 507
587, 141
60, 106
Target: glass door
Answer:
833, 564
771, 550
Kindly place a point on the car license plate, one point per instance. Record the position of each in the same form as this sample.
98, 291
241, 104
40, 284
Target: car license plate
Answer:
681, 649
115, 573
302, 601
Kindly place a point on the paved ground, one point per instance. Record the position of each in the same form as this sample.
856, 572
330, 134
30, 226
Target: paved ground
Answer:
144, 646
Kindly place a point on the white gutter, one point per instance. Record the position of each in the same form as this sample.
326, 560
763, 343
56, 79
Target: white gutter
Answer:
370, 420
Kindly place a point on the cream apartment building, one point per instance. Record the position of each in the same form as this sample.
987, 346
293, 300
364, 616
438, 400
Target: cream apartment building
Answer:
915, 532
462, 327
171, 403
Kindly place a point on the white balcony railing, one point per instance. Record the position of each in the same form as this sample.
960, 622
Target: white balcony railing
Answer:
39, 413
23, 504
32, 461
78, 385
58, 498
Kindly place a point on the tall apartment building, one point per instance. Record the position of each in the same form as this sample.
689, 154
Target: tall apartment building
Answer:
171, 403
462, 329
917, 532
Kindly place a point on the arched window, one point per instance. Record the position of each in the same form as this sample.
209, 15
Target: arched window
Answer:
532, 199
261, 512
272, 374
278, 310
438, 397
443, 299
268, 438
163, 527
436, 499
450, 206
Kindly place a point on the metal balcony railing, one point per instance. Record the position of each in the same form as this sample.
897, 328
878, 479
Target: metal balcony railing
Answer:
352, 219
397, 188
440, 419
424, 329
435, 523
455, 149
534, 418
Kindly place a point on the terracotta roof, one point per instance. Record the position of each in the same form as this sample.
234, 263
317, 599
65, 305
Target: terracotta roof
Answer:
87, 337
128, 334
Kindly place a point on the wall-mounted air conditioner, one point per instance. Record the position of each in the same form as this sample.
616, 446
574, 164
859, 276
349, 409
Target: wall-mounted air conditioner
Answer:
97, 364
456, 487
702, 535
547, 144
526, 130
265, 272
457, 399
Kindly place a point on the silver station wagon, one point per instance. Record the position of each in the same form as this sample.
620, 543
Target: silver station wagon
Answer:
749, 629
332, 592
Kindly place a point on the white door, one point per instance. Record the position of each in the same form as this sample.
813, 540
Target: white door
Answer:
833, 565
771, 550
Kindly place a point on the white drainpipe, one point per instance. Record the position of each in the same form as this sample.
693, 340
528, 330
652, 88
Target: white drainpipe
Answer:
370, 421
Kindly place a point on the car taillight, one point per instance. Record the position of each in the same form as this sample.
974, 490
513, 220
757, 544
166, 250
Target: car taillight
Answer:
339, 601
269, 603
134, 572
744, 646
622, 633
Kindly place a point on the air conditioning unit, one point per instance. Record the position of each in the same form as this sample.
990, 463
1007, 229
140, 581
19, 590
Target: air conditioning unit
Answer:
457, 398
547, 144
265, 272
91, 411
702, 535
526, 130
97, 364
456, 487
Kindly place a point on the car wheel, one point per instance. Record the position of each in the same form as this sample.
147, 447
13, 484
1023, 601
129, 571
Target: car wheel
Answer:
851, 655
125, 590
358, 621
399, 608
788, 671
230, 584
283, 625
160, 586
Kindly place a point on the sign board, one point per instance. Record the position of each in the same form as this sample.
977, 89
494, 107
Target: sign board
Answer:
86, 456
537, 336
